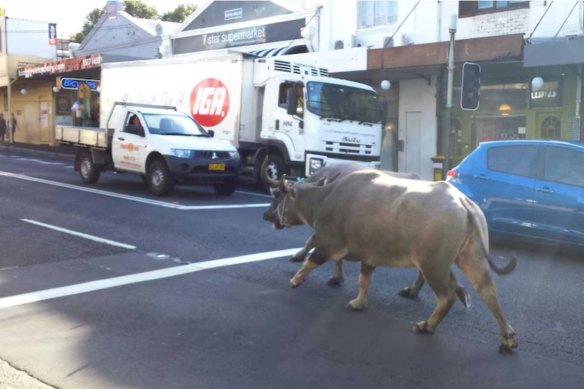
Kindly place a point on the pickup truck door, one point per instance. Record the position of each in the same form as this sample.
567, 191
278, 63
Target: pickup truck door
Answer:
130, 148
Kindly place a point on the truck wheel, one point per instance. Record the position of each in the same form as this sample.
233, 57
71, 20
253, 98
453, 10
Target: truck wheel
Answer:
226, 188
275, 168
88, 171
158, 178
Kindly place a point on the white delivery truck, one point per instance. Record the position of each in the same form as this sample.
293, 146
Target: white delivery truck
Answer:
252, 103
161, 144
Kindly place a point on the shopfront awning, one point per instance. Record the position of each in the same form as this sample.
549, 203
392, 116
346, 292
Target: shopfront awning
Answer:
560, 51
281, 50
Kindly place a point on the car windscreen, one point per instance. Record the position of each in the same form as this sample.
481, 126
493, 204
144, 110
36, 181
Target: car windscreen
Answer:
165, 124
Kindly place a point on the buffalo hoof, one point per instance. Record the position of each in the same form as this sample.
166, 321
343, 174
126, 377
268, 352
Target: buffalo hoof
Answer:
463, 296
335, 281
355, 305
297, 259
508, 343
422, 327
408, 292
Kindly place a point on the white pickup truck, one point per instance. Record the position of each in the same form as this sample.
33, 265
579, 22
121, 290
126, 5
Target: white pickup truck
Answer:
161, 144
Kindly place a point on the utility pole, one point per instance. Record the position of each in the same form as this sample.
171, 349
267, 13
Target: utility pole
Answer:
448, 113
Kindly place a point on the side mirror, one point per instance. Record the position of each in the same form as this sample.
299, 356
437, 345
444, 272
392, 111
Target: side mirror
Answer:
211, 133
292, 102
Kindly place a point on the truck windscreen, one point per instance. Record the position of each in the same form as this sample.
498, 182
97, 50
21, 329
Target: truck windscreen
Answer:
342, 102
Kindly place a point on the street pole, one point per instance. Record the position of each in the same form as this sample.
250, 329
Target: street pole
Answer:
448, 113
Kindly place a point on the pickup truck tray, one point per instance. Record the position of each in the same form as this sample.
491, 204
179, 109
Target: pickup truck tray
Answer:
95, 137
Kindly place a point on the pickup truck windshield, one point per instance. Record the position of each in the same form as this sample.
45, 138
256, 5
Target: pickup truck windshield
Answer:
168, 124
342, 102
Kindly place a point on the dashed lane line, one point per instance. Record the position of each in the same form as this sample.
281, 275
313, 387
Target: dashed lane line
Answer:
128, 197
80, 234
48, 294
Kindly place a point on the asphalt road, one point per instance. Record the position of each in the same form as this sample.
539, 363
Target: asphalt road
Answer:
109, 287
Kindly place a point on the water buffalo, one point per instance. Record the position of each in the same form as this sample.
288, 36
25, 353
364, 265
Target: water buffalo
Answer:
378, 220
325, 175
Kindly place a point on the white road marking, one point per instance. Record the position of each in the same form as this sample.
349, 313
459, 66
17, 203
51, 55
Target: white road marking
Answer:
47, 294
128, 197
82, 235
39, 161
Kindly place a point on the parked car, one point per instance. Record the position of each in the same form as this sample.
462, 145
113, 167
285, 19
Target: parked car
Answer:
532, 188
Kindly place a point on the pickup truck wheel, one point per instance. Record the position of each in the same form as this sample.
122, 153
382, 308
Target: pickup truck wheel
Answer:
158, 178
88, 171
226, 188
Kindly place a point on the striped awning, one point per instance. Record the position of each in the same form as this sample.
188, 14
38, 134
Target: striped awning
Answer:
276, 51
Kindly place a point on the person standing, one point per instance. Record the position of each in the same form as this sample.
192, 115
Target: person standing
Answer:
13, 125
2, 127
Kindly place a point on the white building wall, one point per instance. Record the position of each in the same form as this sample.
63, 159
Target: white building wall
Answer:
28, 37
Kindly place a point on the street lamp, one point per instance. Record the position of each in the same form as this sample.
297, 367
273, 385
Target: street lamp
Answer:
448, 114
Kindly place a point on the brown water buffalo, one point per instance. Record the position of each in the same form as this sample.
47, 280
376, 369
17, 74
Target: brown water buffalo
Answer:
329, 174
378, 220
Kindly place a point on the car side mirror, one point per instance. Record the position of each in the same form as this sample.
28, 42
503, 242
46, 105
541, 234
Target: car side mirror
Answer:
211, 133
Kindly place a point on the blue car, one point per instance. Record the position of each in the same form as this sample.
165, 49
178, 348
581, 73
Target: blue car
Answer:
531, 188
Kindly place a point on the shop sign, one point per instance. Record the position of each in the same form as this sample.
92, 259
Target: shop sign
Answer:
77, 83
232, 14
66, 65
549, 96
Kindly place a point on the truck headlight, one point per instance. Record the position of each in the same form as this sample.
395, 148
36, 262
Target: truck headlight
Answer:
314, 165
181, 153
234, 154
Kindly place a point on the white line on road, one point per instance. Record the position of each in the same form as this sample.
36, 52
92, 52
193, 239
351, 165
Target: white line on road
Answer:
47, 294
82, 235
128, 197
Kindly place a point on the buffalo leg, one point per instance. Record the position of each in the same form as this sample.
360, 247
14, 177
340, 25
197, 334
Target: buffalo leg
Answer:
309, 245
360, 302
337, 278
445, 294
413, 290
315, 259
473, 264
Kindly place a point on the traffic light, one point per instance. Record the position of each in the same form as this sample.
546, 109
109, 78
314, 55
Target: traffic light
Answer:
471, 86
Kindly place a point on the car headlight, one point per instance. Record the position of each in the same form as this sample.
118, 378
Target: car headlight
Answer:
234, 154
182, 153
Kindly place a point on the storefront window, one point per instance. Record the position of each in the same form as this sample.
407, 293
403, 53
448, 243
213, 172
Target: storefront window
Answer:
501, 114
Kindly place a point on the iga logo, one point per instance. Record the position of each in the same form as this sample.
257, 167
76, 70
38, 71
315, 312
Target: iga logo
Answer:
209, 102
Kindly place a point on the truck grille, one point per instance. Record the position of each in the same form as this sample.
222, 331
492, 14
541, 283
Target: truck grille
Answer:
349, 148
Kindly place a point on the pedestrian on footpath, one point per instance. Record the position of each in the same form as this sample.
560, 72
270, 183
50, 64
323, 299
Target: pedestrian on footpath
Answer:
13, 125
2, 127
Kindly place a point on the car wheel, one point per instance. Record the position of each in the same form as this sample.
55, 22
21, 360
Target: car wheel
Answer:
88, 171
158, 178
226, 188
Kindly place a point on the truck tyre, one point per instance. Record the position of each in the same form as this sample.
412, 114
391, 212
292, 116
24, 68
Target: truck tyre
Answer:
158, 178
226, 188
88, 171
275, 168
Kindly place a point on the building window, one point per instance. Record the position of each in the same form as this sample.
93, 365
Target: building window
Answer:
376, 13
472, 8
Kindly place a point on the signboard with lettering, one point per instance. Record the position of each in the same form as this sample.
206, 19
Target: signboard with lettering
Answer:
277, 32
77, 83
66, 65
550, 95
